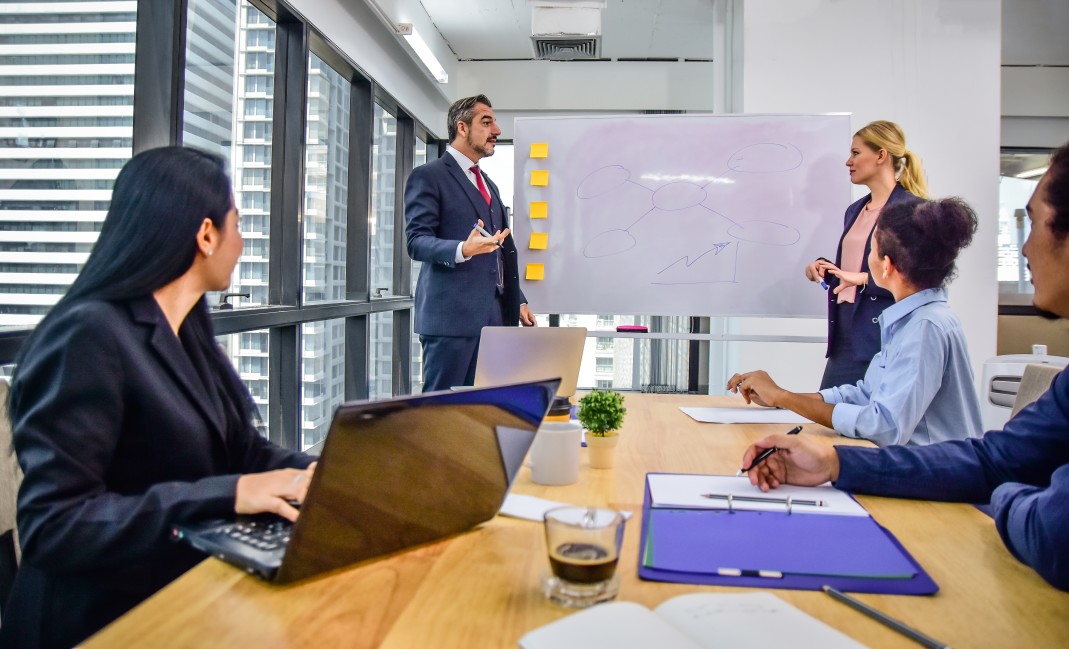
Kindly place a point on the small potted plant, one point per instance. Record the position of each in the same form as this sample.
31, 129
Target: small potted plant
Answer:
601, 412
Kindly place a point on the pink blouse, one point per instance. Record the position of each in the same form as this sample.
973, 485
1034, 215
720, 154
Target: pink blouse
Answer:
854, 248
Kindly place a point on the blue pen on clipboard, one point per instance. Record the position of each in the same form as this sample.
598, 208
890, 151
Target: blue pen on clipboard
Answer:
823, 285
483, 232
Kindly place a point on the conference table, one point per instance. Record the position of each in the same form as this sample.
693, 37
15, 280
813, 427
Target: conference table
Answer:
482, 588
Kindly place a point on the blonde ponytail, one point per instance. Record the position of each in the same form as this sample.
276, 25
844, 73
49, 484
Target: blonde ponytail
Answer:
912, 175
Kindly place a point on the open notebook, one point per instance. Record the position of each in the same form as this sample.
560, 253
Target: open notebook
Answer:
694, 621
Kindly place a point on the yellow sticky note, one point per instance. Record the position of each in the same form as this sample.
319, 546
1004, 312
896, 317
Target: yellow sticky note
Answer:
536, 271
540, 177
539, 209
540, 150
539, 241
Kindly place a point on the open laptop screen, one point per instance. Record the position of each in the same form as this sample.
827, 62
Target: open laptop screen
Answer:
514, 354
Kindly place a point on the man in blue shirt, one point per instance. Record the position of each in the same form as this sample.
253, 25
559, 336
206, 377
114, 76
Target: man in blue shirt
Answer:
918, 389
1022, 470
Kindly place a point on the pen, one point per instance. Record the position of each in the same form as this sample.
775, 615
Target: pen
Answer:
486, 234
764, 499
885, 619
765, 453
823, 285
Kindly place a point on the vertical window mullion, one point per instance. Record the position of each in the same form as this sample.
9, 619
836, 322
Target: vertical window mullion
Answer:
159, 67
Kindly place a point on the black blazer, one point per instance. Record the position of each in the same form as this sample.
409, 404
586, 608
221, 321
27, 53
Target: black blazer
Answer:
122, 431
455, 299
870, 303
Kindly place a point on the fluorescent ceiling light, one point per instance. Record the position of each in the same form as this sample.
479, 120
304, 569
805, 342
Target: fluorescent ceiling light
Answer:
1032, 173
419, 46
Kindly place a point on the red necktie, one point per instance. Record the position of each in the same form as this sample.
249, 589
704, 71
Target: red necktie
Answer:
479, 182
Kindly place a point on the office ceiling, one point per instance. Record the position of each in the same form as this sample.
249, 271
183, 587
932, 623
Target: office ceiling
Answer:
478, 30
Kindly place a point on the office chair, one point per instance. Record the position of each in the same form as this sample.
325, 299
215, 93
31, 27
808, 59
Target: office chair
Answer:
1035, 380
10, 479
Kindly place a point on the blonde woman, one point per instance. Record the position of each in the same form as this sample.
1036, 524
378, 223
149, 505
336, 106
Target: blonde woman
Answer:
879, 160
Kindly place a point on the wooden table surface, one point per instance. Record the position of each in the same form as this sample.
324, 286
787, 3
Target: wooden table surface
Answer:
481, 589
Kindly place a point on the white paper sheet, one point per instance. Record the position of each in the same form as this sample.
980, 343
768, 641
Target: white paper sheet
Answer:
745, 416
531, 508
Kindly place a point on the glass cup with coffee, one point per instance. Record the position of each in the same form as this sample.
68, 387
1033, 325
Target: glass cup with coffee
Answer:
584, 548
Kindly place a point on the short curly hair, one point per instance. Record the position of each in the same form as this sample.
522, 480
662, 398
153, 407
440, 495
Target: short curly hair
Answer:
924, 238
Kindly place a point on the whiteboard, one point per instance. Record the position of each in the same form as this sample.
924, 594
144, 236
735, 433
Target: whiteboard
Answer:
684, 215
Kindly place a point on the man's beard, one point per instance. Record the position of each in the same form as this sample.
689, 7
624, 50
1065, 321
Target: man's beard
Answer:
481, 150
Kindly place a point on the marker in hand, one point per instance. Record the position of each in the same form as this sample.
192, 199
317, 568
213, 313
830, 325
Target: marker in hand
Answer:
483, 232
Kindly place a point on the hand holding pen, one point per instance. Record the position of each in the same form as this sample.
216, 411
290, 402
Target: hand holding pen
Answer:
803, 460
479, 228
763, 455
481, 242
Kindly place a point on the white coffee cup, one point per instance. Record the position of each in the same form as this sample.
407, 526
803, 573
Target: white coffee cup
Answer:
555, 453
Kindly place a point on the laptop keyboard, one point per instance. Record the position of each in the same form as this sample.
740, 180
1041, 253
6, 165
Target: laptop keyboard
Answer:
262, 535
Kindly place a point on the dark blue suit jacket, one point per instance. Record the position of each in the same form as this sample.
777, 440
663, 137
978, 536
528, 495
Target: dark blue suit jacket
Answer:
1021, 470
452, 299
870, 303
122, 433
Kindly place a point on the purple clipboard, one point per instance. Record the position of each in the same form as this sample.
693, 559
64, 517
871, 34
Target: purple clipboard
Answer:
917, 584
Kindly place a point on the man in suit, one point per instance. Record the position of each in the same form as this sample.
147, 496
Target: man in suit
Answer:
468, 280
1022, 471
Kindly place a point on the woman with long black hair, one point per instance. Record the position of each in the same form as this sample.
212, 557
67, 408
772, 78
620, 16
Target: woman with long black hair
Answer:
127, 417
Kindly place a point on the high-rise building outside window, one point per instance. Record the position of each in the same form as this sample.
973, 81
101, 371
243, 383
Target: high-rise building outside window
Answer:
66, 127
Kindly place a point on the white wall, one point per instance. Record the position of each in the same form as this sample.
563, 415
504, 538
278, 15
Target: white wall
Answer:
1035, 73
605, 86
357, 31
933, 66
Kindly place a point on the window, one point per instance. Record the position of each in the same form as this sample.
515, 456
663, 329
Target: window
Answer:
216, 37
383, 183
604, 365
419, 158
1020, 173
59, 161
322, 377
249, 352
326, 178
380, 356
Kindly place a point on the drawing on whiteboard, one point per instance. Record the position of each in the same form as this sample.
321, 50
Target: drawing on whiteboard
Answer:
709, 241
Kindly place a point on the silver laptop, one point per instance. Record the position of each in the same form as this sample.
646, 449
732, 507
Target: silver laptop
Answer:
392, 474
513, 354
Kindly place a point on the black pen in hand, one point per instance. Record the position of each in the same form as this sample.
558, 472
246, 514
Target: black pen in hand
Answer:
765, 453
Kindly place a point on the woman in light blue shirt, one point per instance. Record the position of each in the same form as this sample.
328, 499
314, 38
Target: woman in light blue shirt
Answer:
918, 389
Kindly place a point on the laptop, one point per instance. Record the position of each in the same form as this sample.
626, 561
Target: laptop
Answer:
392, 474
512, 354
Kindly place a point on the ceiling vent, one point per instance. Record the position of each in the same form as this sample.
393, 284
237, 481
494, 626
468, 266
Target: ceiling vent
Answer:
566, 48
566, 30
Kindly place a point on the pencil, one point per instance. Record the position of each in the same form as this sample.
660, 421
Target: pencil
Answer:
886, 620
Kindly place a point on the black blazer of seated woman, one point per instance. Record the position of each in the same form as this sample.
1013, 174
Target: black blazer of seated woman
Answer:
127, 417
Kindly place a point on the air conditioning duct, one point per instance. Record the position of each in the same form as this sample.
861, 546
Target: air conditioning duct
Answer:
565, 30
